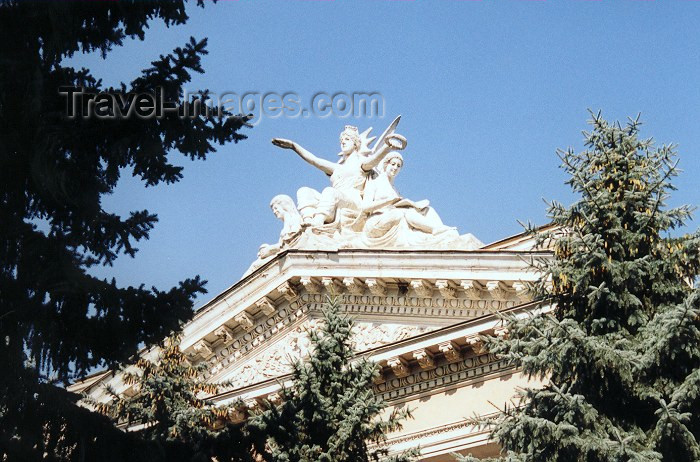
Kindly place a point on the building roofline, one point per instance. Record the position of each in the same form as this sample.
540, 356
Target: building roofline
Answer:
515, 237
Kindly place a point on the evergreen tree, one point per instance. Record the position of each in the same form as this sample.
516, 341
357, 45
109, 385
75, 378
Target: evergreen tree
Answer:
56, 320
330, 413
170, 405
620, 353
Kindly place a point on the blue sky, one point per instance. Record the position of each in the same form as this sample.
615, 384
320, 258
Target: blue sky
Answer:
487, 90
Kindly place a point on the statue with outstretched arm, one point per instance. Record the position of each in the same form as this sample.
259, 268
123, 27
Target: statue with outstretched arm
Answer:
348, 175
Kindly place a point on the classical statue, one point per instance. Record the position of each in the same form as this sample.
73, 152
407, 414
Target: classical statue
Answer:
388, 219
348, 176
362, 208
283, 207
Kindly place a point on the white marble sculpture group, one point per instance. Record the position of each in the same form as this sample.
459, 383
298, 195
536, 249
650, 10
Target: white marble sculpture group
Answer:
362, 208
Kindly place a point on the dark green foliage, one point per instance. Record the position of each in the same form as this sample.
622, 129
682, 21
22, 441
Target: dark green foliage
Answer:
68, 432
56, 320
331, 412
167, 398
169, 403
621, 352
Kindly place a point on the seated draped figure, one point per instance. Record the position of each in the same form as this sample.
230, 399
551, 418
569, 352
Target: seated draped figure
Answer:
388, 219
283, 207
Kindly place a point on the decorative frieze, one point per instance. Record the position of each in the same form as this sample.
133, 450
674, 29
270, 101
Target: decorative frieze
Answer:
450, 350
398, 366
376, 301
244, 342
376, 286
463, 371
276, 360
433, 431
404, 382
422, 287
424, 358
266, 306
412, 306
366, 336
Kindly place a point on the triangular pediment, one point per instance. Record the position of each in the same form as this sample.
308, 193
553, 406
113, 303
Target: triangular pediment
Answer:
391, 295
260, 344
274, 357
364, 275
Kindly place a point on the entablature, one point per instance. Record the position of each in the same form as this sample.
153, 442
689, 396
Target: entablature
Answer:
445, 358
430, 288
446, 275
